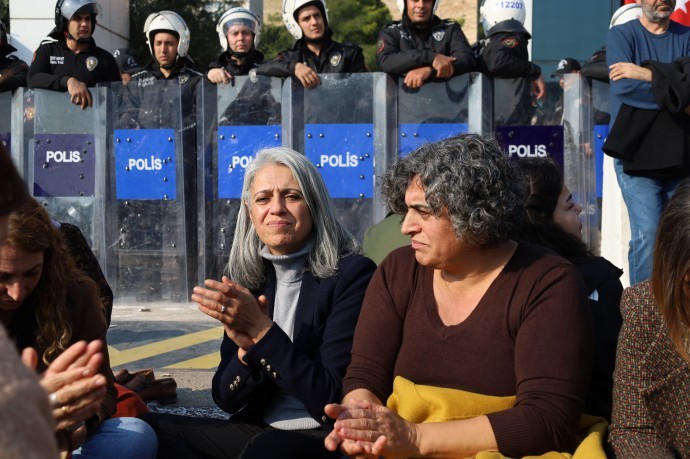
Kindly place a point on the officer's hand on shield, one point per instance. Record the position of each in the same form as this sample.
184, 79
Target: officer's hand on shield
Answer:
539, 88
443, 66
416, 78
219, 76
308, 77
79, 93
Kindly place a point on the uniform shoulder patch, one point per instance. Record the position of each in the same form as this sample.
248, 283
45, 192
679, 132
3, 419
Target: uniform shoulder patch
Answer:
510, 42
380, 46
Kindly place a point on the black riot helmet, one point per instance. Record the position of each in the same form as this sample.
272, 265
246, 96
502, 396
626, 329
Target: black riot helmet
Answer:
5, 47
65, 9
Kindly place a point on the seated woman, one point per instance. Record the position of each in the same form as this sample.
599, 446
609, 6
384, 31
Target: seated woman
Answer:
49, 305
487, 343
289, 307
651, 389
552, 219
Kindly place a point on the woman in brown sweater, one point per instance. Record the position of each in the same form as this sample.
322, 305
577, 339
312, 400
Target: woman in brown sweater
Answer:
488, 343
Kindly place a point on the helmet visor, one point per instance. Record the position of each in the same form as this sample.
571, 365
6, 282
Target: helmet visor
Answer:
239, 21
70, 7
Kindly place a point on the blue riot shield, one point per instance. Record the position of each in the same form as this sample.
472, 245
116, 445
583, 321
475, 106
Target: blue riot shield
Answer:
149, 157
345, 126
64, 164
436, 111
235, 121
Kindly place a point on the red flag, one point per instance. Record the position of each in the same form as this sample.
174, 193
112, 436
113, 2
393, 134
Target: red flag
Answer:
681, 14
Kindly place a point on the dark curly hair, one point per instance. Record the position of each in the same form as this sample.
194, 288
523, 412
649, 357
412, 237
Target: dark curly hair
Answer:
471, 177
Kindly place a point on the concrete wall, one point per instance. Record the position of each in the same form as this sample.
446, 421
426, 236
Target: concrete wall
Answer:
31, 21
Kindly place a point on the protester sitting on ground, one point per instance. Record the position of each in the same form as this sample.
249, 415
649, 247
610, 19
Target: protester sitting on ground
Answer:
27, 423
49, 305
70, 61
651, 390
289, 307
496, 332
314, 50
422, 46
552, 219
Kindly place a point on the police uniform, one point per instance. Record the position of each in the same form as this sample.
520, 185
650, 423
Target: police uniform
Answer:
335, 57
403, 46
54, 63
12, 73
238, 66
505, 57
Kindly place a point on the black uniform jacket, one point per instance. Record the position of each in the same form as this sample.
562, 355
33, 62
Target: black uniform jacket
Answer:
238, 66
504, 53
403, 47
54, 63
334, 58
12, 73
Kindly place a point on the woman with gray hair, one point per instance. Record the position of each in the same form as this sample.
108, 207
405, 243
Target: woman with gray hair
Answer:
289, 307
488, 341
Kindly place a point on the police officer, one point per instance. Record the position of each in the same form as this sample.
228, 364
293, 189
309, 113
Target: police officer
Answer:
127, 63
504, 56
422, 46
314, 50
12, 69
238, 30
70, 60
150, 106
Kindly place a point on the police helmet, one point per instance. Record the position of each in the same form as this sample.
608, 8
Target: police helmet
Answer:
167, 21
626, 13
65, 9
403, 3
495, 11
292, 7
235, 16
5, 46
125, 60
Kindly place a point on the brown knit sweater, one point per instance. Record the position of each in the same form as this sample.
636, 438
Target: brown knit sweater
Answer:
529, 336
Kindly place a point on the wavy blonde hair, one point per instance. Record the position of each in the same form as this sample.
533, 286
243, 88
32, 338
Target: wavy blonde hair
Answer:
32, 230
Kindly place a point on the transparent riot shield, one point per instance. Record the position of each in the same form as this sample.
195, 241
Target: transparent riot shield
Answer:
148, 155
345, 127
235, 121
438, 110
5, 120
579, 157
65, 161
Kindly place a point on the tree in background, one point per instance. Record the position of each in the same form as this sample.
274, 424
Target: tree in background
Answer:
5, 12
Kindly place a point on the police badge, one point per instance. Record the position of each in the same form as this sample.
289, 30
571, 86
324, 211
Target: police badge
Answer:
252, 76
91, 63
335, 59
439, 34
183, 78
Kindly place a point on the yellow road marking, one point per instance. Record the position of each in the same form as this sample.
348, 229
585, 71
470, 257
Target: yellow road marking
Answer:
160, 347
205, 362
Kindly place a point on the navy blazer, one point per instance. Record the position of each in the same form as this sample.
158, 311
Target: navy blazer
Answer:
313, 366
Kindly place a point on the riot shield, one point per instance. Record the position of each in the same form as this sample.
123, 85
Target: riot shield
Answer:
345, 127
66, 161
146, 231
436, 111
5, 120
235, 121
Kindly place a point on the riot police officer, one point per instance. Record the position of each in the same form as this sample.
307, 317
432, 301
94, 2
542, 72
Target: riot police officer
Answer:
12, 69
504, 56
147, 105
70, 60
239, 30
422, 46
314, 50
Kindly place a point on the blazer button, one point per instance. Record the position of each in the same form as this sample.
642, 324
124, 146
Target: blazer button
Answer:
238, 379
275, 375
324, 418
268, 368
263, 362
